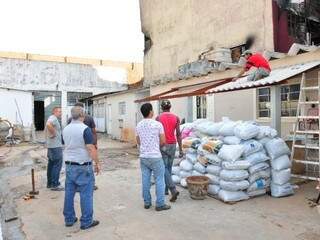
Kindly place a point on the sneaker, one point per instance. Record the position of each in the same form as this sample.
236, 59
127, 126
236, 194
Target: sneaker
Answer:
174, 196
57, 189
93, 224
147, 206
163, 208
71, 224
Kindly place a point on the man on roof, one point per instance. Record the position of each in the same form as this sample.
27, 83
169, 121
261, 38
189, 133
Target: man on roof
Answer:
259, 62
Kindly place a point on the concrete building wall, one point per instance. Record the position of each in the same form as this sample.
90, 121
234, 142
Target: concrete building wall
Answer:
181, 30
16, 106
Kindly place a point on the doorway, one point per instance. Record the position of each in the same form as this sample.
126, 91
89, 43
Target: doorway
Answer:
39, 115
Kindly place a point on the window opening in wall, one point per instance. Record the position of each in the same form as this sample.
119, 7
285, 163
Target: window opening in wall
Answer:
236, 53
74, 97
122, 108
201, 104
289, 101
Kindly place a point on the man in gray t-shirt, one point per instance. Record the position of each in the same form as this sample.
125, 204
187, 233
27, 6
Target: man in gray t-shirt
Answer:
54, 145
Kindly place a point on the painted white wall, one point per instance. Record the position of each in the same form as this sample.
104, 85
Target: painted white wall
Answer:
9, 110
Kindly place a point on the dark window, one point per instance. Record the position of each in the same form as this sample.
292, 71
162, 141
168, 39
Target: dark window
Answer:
74, 97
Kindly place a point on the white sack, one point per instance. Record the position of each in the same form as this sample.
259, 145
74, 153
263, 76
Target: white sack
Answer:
234, 185
184, 174
256, 158
213, 169
213, 179
251, 146
231, 140
258, 167
213, 189
227, 128
228, 196
281, 163
237, 165
276, 148
176, 161
196, 173
191, 151
176, 170
246, 131
264, 140
213, 129
258, 185
257, 192
213, 158
231, 152
199, 168
266, 131
281, 177
176, 179
265, 174
201, 151
233, 175
186, 165
281, 190
183, 182
192, 158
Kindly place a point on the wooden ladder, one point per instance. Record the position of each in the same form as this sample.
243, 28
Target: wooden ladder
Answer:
302, 117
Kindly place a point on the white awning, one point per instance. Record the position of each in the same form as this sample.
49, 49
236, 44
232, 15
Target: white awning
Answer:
276, 76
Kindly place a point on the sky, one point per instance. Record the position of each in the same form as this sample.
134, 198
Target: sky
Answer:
103, 29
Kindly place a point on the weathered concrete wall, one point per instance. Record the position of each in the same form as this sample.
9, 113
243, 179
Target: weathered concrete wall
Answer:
181, 30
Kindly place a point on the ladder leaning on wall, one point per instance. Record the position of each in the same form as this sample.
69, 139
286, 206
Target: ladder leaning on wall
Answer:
310, 142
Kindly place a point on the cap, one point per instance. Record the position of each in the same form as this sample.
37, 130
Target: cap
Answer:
165, 104
246, 52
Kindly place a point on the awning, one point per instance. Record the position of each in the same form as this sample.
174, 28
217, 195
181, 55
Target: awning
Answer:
186, 91
276, 77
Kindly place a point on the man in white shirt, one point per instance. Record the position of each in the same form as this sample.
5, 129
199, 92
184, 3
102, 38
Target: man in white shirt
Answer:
150, 136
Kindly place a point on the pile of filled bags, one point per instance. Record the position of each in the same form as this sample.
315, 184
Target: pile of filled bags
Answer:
241, 159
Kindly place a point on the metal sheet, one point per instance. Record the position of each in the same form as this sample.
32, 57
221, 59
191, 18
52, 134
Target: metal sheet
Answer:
276, 76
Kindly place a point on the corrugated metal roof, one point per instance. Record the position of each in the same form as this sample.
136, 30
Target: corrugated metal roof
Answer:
276, 76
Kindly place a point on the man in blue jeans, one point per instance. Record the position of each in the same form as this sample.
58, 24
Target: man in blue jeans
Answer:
150, 136
54, 145
78, 154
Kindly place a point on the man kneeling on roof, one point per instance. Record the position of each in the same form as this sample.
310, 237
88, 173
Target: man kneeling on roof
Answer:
255, 60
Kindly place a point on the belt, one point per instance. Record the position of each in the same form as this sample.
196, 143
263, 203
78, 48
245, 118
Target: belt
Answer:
78, 164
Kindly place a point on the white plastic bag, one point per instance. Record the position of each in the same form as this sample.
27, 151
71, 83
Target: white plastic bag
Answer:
186, 165
213, 169
236, 165
266, 131
231, 140
281, 163
281, 177
183, 182
213, 189
213, 158
251, 146
257, 157
257, 192
233, 175
213, 129
196, 173
281, 190
184, 174
192, 158
264, 140
259, 184
276, 148
231, 152
265, 174
213, 178
246, 130
258, 167
227, 128
201, 151
199, 168
176, 179
234, 185
176, 170
228, 196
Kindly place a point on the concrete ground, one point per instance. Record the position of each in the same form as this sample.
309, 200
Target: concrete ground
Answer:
119, 207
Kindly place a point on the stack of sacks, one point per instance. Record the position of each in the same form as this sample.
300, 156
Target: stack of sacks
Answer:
207, 156
281, 167
186, 165
234, 174
254, 154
